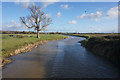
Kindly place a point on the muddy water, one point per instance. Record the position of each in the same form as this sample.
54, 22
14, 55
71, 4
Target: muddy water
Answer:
60, 59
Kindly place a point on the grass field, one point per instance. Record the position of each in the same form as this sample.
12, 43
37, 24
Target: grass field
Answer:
102, 36
95, 34
11, 42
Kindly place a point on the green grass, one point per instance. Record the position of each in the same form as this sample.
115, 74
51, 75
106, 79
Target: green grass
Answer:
106, 37
9, 44
98, 35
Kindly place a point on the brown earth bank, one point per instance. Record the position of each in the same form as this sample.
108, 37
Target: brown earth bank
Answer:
7, 60
23, 49
105, 46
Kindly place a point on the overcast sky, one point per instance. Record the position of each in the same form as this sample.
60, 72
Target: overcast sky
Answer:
67, 16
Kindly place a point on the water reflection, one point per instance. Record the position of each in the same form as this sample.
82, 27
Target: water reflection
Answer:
62, 58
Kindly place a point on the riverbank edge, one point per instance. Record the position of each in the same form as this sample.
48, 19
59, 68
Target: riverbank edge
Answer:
108, 50
23, 49
103, 48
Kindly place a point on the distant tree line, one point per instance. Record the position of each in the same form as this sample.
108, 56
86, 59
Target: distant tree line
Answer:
32, 32
17, 32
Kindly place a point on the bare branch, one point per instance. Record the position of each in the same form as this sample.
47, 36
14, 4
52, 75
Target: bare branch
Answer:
36, 19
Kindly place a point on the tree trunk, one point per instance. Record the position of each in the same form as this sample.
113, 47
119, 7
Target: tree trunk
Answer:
38, 34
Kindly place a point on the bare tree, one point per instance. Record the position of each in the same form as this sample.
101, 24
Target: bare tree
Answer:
37, 19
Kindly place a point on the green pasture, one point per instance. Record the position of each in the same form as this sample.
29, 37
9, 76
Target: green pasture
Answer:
10, 42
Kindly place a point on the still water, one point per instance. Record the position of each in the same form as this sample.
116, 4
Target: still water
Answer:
60, 59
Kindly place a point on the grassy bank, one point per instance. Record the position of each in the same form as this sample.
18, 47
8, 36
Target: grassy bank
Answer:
11, 42
105, 45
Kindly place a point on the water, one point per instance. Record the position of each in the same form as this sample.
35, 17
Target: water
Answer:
60, 59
